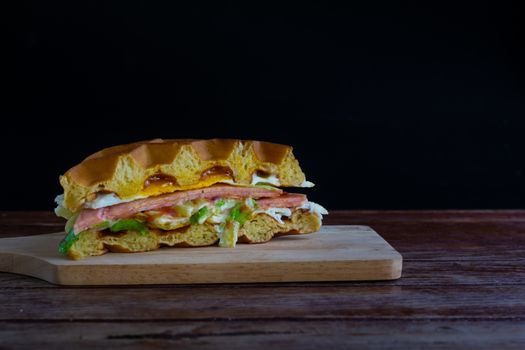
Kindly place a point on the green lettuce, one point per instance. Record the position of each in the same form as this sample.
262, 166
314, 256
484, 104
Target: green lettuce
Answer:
129, 224
220, 203
228, 237
237, 215
102, 226
252, 203
200, 216
71, 222
67, 242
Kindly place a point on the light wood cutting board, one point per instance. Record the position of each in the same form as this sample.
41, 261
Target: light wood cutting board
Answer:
336, 253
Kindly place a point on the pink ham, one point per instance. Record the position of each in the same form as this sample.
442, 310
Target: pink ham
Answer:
91, 217
288, 200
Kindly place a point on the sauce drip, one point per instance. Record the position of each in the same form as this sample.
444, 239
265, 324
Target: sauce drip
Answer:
217, 170
160, 180
262, 173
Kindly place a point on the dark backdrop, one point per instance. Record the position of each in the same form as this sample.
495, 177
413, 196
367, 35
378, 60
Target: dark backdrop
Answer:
388, 105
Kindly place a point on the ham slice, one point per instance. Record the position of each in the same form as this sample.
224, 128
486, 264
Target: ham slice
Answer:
288, 200
91, 217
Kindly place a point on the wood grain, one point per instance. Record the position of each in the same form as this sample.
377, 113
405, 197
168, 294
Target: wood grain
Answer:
289, 334
273, 302
462, 287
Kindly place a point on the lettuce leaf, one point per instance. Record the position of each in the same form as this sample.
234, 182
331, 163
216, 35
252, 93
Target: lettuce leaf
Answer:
228, 237
200, 216
220, 203
71, 222
102, 226
67, 242
129, 224
251, 203
237, 215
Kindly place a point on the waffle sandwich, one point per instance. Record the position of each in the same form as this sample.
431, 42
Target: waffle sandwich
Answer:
185, 193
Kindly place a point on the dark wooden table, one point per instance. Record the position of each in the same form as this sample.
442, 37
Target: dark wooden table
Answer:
463, 286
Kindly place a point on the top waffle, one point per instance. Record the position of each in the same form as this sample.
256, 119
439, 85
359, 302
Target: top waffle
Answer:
160, 166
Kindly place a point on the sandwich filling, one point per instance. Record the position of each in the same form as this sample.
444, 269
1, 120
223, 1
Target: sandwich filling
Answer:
225, 206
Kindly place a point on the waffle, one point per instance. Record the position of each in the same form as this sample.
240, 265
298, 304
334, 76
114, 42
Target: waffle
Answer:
160, 166
260, 228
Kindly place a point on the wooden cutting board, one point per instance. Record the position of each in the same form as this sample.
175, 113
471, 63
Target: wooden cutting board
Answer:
336, 253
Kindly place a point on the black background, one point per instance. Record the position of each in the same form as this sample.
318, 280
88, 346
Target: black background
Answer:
388, 104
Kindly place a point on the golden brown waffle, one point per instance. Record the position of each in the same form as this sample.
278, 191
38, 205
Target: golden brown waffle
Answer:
261, 228
160, 166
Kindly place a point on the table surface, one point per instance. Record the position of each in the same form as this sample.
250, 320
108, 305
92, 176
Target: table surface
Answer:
463, 286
